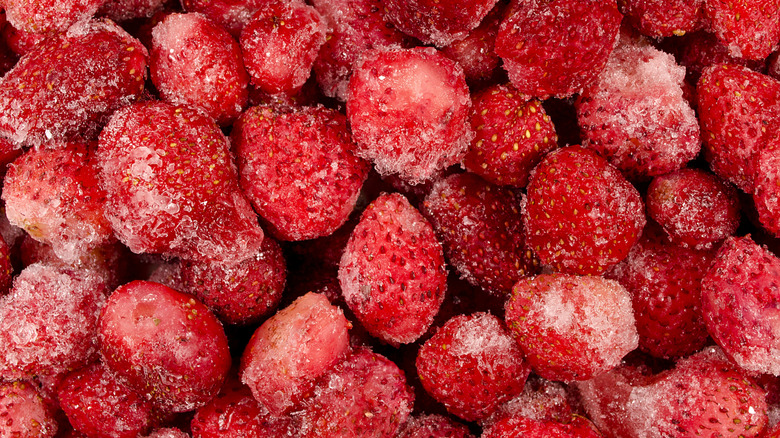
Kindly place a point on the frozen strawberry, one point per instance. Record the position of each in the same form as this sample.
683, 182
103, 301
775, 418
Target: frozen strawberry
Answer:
298, 168
164, 344
98, 405
196, 63
472, 365
70, 84
694, 207
172, 186
749, 28
24, 412
292, 349
476, 52
232, 15
126, 10
636, 115
664, 281
392, 273
555, 48
280, 44
481, 230
739, 293
167, 432
435, 22
766, 182
518, 426
239, 293
364, 395
663, 18
49, 16
19, 41
234, 413
734, 99
699, 50
48, 321
54, 194
581, 216
541, 400
570, 327
513, 134
408, 109
434, 426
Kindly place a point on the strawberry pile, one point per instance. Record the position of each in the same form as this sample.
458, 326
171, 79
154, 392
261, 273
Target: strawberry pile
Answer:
390, 218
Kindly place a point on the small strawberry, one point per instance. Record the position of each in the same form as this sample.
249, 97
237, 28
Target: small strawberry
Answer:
581, 216
232, 15
513, 134
435, 22
663, 18
476, 52
766, 197
172, 186
24, 412
555, 48
70, 84
49, 16
392, 273
571, 327
434, 426
481, 231
699, 50
511, 427
749, 28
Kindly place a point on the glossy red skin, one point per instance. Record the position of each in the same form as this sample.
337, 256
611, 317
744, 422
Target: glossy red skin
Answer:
434, 22
201, 67
750, 28
98, 405
164, 344
480, 228
663, 18
95, 67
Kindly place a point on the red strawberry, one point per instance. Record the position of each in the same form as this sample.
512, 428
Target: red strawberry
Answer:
232, 15
408, 109
172, 186
513, 134
196, 63
481, 231
123, 11
239, 293
739, 296
733, 99
392, 272
555, 48
434, 426
511, 427
664, 281
167, 432
663, 18
435, 22
19, 41
69, 85
694, 207
570, 327
99, 405
364, 395
749, 28
24, 412
54, 194
49, 16
766, 181
699, 50
298, 168
476, 52
164, 344
581, 215
472, 365
540, 400
280, 44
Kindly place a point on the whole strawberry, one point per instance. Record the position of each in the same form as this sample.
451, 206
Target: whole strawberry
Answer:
749, 28
392, 273
581, 216
663, 18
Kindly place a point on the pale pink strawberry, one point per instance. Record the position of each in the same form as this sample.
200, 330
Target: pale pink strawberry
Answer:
24, 412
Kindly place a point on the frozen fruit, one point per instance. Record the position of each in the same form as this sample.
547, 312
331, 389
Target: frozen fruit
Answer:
476, 52
126, 10
738, 109
24, 413
392, 272
167, 432
434, 426
540, 400
99, 405
292, 349
436, 22
699, 50
232, 15
739, 296
70, 84
581, 216
481, 230
54, 194
408, 109
196, 63
472, 365
280, 44
749, 28
663, 18
164, 344
48, 321
172, 186
518, 426
364, 395
49, 16
664, 281
636, 116
239, 293
555, 48
694, 207
513, 133
766, 181
298, 168
571, 327
19, 41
